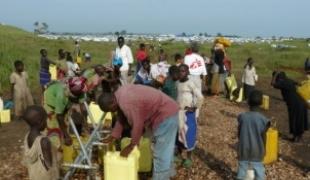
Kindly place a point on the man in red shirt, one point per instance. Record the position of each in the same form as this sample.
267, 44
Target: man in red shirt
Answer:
144, 107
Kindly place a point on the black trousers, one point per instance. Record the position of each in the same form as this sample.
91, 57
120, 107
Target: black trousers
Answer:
247, 90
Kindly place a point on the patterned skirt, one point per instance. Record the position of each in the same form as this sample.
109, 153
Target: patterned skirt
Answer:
45, 77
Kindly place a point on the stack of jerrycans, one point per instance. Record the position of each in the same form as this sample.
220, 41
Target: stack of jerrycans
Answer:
120, 168
145, 160
271, 145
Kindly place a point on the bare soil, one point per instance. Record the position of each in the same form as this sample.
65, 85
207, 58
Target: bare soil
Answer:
215, 156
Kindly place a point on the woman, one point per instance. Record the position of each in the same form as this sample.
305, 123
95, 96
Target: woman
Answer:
249, 77
217, 71
297, 110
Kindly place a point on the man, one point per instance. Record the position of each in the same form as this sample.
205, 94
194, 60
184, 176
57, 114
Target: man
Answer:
124, 52
143, 107
197, 67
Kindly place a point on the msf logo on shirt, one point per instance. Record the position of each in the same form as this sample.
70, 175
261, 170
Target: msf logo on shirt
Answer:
195, 64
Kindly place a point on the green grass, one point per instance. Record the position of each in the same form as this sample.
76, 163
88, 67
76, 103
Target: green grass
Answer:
19, 44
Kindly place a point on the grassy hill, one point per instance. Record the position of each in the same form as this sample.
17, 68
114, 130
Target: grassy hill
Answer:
19, 44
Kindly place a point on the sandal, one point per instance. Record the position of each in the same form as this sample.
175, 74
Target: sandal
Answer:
187, 163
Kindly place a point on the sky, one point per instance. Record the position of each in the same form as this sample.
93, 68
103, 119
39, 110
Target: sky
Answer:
248, 18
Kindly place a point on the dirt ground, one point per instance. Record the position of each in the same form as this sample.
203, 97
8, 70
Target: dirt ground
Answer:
215, 154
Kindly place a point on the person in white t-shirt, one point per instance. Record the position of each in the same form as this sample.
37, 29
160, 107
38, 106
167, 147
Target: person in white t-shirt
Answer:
197, 70
73, 68
124, 52
197, 67
249, 77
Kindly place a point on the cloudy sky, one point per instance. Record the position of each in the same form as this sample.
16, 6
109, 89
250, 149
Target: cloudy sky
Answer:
239, 17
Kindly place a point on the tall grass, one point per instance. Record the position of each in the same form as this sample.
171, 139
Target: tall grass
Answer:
18, 44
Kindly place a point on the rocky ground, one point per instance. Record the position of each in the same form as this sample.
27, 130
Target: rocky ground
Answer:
215, 155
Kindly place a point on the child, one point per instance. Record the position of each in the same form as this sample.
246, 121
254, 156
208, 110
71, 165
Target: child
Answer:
252, 127
73, 68
141, 55
87, 61
170, 86
61, 64
39, 156
144, 74
249, 77
178, 59
45, 76
20, 91
187, 92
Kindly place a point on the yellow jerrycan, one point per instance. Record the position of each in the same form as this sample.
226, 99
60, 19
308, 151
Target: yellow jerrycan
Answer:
5, 116
53, 71
231, 84
265, 103
304, 91
120, 168
97, 113
271, 146
145, 160
240, 95
71, 152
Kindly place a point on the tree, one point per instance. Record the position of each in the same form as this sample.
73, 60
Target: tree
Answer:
219, 34
183, 34
44, 27
123, 32
40, 28
206, 34
116, 33
200, 34
36, 27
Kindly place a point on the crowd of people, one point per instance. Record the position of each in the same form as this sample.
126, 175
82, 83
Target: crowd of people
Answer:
158, 96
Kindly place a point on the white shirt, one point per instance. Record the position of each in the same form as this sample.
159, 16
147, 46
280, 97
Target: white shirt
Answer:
72, 68
161, 68
126, 55
196, 64
249, 76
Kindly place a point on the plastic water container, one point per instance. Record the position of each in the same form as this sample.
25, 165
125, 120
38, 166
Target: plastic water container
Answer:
5, 116
240, 96
71, 152
232, 85
53, 71
271, 146
304, 91
97, 113
265, 103
1, 104
120, 168
145, 160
